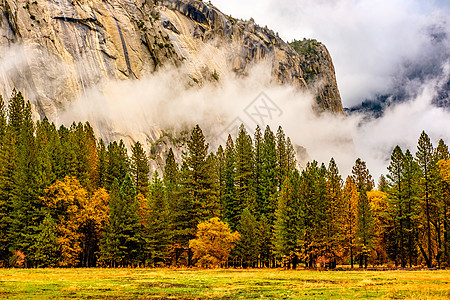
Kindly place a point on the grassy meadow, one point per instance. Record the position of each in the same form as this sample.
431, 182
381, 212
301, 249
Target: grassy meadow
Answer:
99, 283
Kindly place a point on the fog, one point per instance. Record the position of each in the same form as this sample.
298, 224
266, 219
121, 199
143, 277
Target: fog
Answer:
370, 44
368, 40
138, 110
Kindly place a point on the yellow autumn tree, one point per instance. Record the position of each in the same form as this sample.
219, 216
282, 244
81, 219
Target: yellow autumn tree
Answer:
379, 202
65, 200
444, 168
213, 243
79, 220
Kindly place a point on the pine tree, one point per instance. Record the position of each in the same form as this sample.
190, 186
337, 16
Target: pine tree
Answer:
282, 159
269, 182
46, 250
26, 212
198, 185
290, 155
170, 179
334, 208
248, 229
159, 237
397, 204
350, 200
139, 168
412, 209
287, 224
313, 196
364, 233
230, 203
120, 243
118, 163
258, 170
243, 178
5, 183
102, 164
424, 157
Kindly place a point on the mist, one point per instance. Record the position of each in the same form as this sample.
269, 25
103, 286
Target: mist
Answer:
369, 41
141, 109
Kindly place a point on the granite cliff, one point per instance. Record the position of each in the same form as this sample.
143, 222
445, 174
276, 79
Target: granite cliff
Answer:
69, 45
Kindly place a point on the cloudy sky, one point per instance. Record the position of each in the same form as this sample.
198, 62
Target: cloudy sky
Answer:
368, 39
375, 46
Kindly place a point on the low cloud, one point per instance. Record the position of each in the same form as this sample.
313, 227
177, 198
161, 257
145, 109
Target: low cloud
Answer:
368, 40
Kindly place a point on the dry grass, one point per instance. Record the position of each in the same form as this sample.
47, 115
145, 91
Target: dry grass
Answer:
221, 284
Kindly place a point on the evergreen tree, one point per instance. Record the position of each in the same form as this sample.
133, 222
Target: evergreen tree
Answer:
248, 229
102, 164
6, 168
282, 159
334, 208
118, 163
411, 179
230, 204
258, 186
290, 155
120, 243
287, 221
424, 157
364, 233
139, 168
269, 182
46, 250
159, 235
313, 200
198, 185
397, 204
170, 179
243, 178
26, 212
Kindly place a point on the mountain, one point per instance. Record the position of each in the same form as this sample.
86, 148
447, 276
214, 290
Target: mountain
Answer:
69, 45
56, 50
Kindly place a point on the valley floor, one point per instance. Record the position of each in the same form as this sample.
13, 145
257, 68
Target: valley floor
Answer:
99, 283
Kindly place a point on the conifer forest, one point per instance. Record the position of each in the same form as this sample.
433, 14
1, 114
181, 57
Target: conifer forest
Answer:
67, 199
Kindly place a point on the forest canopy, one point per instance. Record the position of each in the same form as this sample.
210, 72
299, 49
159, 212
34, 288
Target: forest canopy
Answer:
69, 200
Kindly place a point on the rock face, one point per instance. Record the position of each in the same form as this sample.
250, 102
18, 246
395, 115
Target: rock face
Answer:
63, 47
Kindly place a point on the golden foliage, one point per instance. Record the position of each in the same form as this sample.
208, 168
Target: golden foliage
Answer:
213, 244
444, 168
76, 215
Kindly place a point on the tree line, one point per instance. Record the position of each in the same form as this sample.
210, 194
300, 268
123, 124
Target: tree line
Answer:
68, 200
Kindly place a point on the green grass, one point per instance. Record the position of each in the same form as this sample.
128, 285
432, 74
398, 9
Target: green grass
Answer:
221, 284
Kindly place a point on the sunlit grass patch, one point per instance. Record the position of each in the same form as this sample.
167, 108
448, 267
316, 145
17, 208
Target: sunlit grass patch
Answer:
221, 284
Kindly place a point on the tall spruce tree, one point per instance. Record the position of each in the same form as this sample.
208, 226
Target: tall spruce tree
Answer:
139, 168
424, 156
118, 163
26, 212
269, 168
287, 224
258, 187
120, 243
396, 202
248, 228
411, 181
198, 185
364, 233
159, 233
243, 179
231, 211
334, 207
282, 159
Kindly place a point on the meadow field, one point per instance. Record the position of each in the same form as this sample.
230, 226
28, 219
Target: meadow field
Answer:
99, 283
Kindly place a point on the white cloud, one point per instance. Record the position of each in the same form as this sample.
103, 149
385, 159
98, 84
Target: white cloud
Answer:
368, 40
